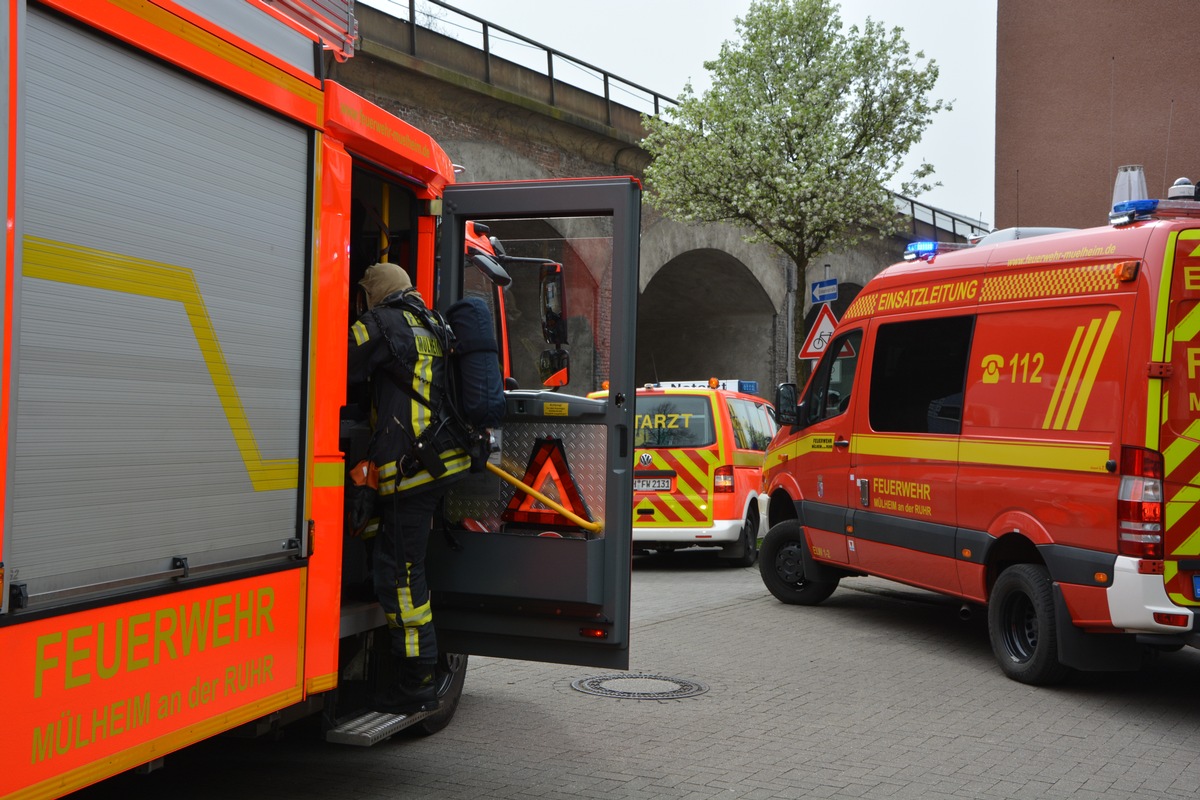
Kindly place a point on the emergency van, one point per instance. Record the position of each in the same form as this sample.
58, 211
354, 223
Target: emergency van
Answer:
698, 466
1016, 424
190, 202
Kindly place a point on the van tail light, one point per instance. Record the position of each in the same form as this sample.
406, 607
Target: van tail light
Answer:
723, 479
1140, 504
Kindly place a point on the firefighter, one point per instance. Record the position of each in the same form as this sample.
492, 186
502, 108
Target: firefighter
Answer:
402, 349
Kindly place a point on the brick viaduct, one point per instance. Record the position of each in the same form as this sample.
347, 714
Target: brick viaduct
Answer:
710, 304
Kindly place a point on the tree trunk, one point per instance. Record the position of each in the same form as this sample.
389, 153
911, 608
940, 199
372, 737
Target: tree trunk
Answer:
799, 324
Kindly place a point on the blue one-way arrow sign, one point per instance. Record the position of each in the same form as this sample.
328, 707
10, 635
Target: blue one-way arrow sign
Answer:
825, 291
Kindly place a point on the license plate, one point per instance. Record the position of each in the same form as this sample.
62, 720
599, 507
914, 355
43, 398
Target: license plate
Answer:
1196, 586
652, 484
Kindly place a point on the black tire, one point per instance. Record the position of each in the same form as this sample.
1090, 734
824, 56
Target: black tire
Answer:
452, 673
1022, 626
781, 564
748, 542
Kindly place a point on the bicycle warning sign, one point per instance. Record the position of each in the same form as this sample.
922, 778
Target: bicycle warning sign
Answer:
819, 336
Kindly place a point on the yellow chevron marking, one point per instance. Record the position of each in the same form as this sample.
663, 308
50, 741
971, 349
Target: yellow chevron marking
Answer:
1189, 546
700, 474
1077, 366
1183, 446
687, 516
1180, 600
694, 472
83, 266
1178, 451
1178, 505
1057, 395
1084, 357
1093, 367
1159, 346
1186, 330
1183, 501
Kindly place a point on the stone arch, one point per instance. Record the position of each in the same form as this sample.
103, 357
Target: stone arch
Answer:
664, 240
710, 305
704, 314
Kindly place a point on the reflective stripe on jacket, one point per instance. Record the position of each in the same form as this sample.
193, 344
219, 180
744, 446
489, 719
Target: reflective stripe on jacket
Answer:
414, 365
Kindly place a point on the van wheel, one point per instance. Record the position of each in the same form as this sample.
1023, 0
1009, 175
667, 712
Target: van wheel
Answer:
1022, 628
747, 543
781, 564
451, 674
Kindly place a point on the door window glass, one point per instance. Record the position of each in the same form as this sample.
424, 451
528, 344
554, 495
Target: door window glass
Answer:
918, 374
829, 391
753, 427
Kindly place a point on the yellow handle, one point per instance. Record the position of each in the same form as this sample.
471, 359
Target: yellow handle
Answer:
594, 527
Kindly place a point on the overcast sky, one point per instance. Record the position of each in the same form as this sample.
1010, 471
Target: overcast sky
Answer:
662, 44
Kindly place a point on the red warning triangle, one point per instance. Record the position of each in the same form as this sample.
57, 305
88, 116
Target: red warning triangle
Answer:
821, 333
549, 474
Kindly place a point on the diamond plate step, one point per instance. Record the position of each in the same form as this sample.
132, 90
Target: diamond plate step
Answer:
372, 727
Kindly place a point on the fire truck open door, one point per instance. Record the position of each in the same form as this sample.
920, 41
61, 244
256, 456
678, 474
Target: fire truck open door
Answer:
534, 561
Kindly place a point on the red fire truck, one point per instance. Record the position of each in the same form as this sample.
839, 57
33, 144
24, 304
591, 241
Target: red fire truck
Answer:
1014, 424
188, 205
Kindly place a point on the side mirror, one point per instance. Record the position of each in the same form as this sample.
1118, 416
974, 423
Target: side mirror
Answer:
554, 368
787, 411
554, 304
491, 269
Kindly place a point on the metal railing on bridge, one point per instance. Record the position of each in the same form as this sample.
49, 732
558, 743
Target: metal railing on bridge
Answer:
499, 42
929, 223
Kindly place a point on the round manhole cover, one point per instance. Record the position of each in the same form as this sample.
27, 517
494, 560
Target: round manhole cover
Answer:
639, 687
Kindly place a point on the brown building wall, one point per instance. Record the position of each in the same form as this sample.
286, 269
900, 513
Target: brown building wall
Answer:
1084, 87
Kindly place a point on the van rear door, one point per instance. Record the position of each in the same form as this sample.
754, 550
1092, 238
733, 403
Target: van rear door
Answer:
1179, 344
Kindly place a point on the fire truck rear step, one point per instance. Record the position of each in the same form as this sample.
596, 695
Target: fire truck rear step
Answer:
372, 727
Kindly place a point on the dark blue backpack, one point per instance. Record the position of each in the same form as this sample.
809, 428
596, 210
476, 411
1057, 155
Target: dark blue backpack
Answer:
475, 364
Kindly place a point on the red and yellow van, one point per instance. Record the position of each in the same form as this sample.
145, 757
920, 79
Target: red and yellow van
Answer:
1017, 425
698, 466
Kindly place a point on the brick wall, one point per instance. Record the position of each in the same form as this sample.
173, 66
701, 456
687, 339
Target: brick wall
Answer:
1082, 88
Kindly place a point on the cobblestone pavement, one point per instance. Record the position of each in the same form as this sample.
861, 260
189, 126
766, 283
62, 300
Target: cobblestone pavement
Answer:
880, 692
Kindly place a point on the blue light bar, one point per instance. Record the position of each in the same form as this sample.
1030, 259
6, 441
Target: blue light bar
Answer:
1131, 211
920, 250
1137, 207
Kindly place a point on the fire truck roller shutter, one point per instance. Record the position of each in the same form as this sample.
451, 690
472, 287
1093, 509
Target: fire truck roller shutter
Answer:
160, 318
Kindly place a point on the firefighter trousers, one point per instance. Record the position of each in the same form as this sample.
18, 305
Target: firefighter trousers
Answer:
399, 574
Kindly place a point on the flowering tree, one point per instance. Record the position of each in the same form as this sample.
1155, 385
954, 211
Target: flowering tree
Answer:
800, 133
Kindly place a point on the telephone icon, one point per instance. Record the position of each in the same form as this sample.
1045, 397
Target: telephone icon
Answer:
992, 364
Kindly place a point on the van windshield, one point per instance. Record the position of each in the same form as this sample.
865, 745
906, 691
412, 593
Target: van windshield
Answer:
673, 421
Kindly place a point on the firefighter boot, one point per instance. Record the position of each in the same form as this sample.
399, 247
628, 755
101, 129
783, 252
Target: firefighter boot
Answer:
415, 692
